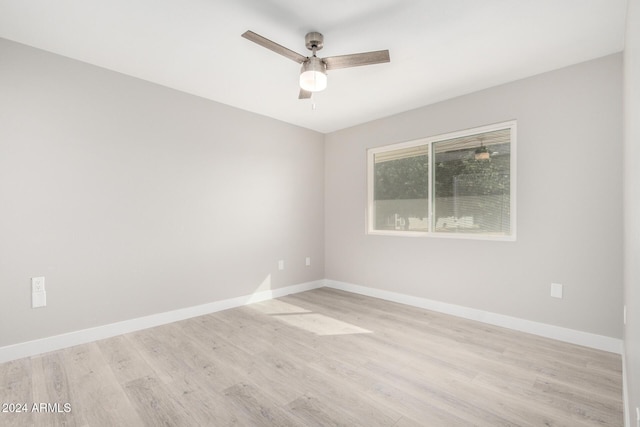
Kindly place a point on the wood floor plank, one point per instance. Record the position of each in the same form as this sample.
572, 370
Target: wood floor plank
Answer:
96, 396
313, 381
322, 357
590, 408
194, 392
156, 405
16, 393
125, 361
256, 409
51, 386
315, 410
177, 360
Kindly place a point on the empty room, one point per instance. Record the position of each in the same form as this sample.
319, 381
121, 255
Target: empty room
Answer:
339, 213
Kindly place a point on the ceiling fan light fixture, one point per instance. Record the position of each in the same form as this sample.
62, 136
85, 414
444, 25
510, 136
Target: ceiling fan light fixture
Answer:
313, 76
482, 153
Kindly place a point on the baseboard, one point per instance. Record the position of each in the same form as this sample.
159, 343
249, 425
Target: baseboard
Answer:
572, 336
57, 342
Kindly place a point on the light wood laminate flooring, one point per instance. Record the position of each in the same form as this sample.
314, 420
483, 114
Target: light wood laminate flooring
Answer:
319, 358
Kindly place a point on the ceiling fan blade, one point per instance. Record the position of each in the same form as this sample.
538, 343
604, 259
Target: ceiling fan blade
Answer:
304, 94
264, 42
356, 59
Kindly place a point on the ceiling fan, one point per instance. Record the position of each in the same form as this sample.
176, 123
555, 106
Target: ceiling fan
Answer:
313, 76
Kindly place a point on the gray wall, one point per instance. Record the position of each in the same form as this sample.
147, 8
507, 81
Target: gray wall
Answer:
632, 205
133, 199
569, 204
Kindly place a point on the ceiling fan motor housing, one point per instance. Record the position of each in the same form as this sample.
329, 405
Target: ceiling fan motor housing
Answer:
314, 40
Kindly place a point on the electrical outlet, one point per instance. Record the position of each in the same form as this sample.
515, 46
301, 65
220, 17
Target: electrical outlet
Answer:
37, 284
307, 261
38, 292
281, 265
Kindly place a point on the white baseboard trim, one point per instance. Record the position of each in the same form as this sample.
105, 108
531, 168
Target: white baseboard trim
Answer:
625, 390
57, 342
572, 336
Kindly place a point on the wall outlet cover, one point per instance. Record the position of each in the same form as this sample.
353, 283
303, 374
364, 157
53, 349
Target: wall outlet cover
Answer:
556, 290
38, 299
37, 284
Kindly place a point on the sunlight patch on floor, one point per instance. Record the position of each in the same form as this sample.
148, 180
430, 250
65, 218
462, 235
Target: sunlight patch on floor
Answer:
302, 318
275, 306
320, 324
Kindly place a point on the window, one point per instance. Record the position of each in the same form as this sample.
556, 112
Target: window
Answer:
460, 184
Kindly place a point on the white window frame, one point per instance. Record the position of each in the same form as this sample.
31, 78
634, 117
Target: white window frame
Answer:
430, 141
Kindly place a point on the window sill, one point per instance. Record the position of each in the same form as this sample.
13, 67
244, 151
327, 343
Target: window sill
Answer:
419, 234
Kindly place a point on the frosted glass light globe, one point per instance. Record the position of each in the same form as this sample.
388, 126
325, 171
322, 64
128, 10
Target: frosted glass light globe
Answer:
313, 77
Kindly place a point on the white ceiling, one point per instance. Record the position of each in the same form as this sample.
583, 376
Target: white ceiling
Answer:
439, 48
